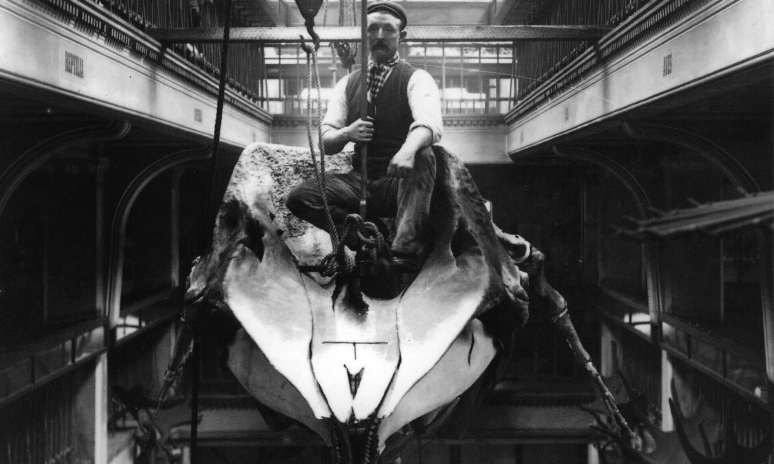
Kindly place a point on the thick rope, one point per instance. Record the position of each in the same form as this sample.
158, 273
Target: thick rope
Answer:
219, 108
319, 174
344, 50
324, 23
373, 243
184, 344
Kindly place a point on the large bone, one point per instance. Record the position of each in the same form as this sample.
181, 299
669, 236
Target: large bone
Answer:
407, 355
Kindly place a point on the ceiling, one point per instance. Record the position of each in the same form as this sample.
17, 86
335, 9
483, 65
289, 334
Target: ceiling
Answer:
420, 12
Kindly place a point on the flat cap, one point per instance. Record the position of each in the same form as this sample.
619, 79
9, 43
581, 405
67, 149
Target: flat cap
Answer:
390, 7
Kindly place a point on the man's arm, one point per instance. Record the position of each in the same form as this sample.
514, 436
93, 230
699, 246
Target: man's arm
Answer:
425, 102
336, 139
335, 133
403, 161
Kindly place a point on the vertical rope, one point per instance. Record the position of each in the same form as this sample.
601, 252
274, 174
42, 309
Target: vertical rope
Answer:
212, 214
219, 110
314, 76
195, 356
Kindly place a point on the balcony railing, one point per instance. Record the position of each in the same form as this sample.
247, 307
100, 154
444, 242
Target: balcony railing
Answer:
474, 78
43, 427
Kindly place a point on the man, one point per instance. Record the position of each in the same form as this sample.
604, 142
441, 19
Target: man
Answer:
404, 120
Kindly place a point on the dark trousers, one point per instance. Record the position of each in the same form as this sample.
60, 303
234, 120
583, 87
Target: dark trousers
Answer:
407, 200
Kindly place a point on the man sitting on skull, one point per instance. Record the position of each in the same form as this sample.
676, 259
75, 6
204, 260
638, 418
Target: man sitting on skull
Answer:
404, 120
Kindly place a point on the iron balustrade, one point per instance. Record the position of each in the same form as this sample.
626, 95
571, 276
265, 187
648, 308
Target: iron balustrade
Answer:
540, 60
42, 427
473, 78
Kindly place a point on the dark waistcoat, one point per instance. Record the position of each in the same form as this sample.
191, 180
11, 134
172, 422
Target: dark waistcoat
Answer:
391, 113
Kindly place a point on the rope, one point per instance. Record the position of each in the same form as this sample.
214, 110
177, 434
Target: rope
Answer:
367, 234
219, 109
324, 23
311, 58
186, 339
344, 50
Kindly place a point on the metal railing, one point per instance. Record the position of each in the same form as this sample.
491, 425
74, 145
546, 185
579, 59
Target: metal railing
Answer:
474, 78
641, 367
41, 427
538, 61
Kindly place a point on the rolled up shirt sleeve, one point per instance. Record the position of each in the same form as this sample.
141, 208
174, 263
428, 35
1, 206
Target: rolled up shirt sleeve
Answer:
336, 115
425, 102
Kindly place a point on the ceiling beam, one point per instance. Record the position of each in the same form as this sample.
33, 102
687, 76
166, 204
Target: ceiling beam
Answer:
352, 34
268, 10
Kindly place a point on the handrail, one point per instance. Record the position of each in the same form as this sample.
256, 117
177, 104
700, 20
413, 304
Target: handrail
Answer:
22, 351
352, 34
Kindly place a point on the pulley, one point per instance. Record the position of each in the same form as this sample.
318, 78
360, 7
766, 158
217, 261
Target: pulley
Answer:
309, 8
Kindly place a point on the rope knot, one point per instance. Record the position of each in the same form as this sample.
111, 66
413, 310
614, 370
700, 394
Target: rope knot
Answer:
367, 236
347, 54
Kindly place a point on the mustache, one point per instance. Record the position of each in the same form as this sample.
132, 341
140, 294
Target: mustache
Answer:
379, 44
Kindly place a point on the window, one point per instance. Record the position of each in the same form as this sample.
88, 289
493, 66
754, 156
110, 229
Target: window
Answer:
473, 79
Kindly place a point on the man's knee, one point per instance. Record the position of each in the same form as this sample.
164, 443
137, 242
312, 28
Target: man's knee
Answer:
424, 166
300, 200
424, 161
426, 156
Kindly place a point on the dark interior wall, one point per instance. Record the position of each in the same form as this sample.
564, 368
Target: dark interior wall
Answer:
749, 142
144, 361
546, 204
47, 249
619, 260
147, 252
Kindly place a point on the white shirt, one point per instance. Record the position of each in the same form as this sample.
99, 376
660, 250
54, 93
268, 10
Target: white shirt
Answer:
423, 97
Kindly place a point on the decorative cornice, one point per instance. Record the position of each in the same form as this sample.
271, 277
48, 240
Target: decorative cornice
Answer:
449, 120
288, 120
473, 120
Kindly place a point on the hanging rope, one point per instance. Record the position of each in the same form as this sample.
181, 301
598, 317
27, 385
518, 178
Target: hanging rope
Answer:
347, 53
372, 244
219, 108
186, 343
313, 75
